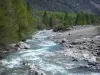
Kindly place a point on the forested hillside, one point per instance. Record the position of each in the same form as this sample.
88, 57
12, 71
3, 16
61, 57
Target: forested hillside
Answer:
16, 21
63, 21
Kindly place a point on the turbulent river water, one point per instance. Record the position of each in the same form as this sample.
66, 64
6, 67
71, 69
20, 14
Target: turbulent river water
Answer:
39, 53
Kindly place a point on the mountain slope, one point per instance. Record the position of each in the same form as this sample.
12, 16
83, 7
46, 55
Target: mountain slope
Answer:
92, 6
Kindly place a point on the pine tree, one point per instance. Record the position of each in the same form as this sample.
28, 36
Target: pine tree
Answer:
15, 21
28, 6
78, 19
21, 18
84, 19
66, 19
8, 28
45, 19
92, 19
50, 22
88, 18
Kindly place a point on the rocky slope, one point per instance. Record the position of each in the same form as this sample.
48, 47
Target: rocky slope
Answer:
92, 6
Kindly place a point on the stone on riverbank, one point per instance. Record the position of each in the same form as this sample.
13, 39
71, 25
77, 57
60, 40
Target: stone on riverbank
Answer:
23, 45
19, 45
35, 70
12, 48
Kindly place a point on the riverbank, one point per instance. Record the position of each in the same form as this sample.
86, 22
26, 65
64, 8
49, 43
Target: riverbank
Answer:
81, 44
31, 69
5, 50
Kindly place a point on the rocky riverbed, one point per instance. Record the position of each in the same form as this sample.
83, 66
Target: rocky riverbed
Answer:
4, 50
75, 52
81, 44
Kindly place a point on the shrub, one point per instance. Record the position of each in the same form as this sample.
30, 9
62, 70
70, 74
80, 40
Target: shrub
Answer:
60, 27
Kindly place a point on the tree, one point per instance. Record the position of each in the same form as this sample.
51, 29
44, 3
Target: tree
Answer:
15, 21
50, 21
88, 18
45, 19
66, 19
8, 28
92, 19
78, 19
21, 18
28, 6
84, 19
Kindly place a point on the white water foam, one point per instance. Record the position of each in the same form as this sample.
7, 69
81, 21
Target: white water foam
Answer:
84, 74
12, 63
47, 43
53, 68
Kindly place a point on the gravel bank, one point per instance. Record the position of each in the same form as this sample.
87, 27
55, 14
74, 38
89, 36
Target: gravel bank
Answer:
82, 44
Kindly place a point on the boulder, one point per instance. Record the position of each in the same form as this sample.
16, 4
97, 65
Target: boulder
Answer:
22, 45
95, 66
18, 46
35, 70
74, 59
0, 61
97, 38
82, 47
74, 43
98, 54
63, 41
1, 57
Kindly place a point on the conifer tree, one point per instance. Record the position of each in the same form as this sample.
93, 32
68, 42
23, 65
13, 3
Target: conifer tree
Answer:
50, 22
21, 18
88, 18
66, 19
92, 19
45, 19
8, 28
28, 6
84, 20
15, 21
78, 19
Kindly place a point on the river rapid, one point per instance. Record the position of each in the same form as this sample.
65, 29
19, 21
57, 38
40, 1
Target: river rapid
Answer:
43, 53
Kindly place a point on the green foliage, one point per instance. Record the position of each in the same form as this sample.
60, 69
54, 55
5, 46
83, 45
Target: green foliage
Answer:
54, 21
88, 19
92, 19
60, 27
84, 19
51, 21
28, 6
96, 19
57, 21
21, 18
78, 19
16, 23
7, 26
40, 25
45, 19
66, 19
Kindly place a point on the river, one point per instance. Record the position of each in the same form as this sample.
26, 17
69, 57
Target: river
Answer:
41, 52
